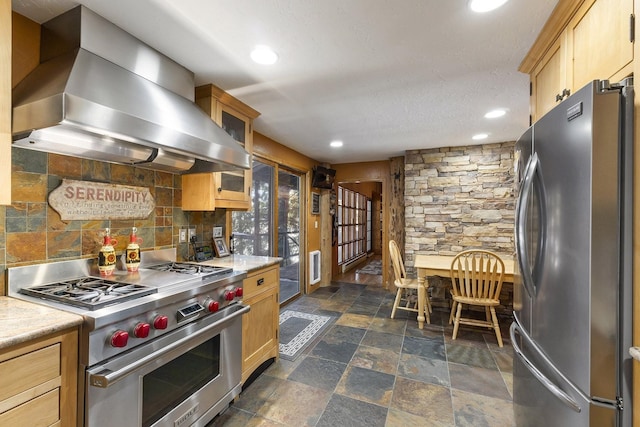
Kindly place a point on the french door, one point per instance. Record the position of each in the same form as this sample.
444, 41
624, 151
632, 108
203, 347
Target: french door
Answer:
354, 225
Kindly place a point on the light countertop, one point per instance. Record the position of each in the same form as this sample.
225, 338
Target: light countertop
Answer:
22, 321
246, 263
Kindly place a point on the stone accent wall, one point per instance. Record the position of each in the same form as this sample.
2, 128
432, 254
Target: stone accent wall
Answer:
459, 198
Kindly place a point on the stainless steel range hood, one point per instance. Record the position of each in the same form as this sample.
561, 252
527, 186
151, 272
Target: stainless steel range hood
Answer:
100, 93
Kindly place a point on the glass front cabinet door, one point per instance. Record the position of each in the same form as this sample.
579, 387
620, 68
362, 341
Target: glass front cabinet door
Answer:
230, 189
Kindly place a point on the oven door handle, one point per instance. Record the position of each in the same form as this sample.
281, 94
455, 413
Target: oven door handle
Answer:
106, 377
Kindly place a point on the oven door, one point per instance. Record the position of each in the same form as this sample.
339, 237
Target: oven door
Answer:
183, 378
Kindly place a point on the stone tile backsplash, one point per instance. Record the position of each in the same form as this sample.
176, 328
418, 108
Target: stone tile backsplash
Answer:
32, 232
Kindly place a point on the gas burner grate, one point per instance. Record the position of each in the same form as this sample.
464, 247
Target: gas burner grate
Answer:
192, 269
89, 292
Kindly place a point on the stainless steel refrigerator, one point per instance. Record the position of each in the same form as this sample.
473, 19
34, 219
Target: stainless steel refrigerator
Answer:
573, 308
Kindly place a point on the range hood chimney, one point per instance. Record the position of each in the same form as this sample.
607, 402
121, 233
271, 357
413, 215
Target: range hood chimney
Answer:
99, 93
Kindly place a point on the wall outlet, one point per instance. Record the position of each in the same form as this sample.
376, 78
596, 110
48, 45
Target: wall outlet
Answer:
192, 233
182, 235
217, 232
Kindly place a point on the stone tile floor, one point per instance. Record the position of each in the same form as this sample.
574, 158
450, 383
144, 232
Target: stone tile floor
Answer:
370, 370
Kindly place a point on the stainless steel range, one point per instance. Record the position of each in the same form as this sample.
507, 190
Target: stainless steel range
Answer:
158, 347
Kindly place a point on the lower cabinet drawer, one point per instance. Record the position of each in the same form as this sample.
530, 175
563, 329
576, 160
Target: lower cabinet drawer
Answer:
260, 281
29, 370
42, 411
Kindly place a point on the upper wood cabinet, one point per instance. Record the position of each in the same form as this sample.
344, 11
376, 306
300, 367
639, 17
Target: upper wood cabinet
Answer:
231, 190
548, 81
5, 102
583, 40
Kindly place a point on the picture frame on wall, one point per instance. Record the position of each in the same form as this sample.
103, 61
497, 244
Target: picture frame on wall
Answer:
220, 247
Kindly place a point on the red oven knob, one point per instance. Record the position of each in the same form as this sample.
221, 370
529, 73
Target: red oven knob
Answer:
119, 339
229, 295
160, 322
212, 305
141, 330
238, 292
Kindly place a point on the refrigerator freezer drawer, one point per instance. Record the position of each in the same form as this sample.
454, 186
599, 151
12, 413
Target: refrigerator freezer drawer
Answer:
535, 406
542, 396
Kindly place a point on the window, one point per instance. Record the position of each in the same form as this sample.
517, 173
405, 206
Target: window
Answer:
252, 230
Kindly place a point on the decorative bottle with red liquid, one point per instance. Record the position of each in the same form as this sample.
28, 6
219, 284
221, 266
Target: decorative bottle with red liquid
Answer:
132, 253
107, 255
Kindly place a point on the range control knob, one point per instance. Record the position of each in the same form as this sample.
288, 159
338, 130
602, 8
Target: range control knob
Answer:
119, 338
141, 330
211, 305
160, 322
239, 292
229, 295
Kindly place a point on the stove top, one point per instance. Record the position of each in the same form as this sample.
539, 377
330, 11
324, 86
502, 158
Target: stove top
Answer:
89, 292
163, 296
76, 285
192, 269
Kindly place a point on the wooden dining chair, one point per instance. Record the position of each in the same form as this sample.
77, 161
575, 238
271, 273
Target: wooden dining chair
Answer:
407, 289
476, 278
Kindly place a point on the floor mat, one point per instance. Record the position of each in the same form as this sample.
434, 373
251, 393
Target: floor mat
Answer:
298, 330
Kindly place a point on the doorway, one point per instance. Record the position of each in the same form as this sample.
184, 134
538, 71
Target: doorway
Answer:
359, 227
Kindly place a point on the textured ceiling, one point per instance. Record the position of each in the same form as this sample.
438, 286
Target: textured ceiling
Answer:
383, 76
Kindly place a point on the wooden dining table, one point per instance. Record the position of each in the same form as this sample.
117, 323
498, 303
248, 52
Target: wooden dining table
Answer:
440, 265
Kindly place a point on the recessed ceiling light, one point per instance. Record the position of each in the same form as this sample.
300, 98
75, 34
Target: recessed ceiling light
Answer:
264, 55
336, 144
493, 114
482, 6
479, 136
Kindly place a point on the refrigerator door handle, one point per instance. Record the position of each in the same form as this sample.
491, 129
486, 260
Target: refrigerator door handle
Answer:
546, 382
520, 224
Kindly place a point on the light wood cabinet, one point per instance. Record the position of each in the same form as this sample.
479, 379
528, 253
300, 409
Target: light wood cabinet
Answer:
600, 37
38, 382
583, 40
260, 326
548, 81
5, 102
229, 189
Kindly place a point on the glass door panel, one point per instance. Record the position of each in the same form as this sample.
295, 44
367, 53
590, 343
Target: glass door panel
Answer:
289, 242
253, 231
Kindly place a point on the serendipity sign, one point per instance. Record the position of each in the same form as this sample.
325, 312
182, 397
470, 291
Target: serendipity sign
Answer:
85, 200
